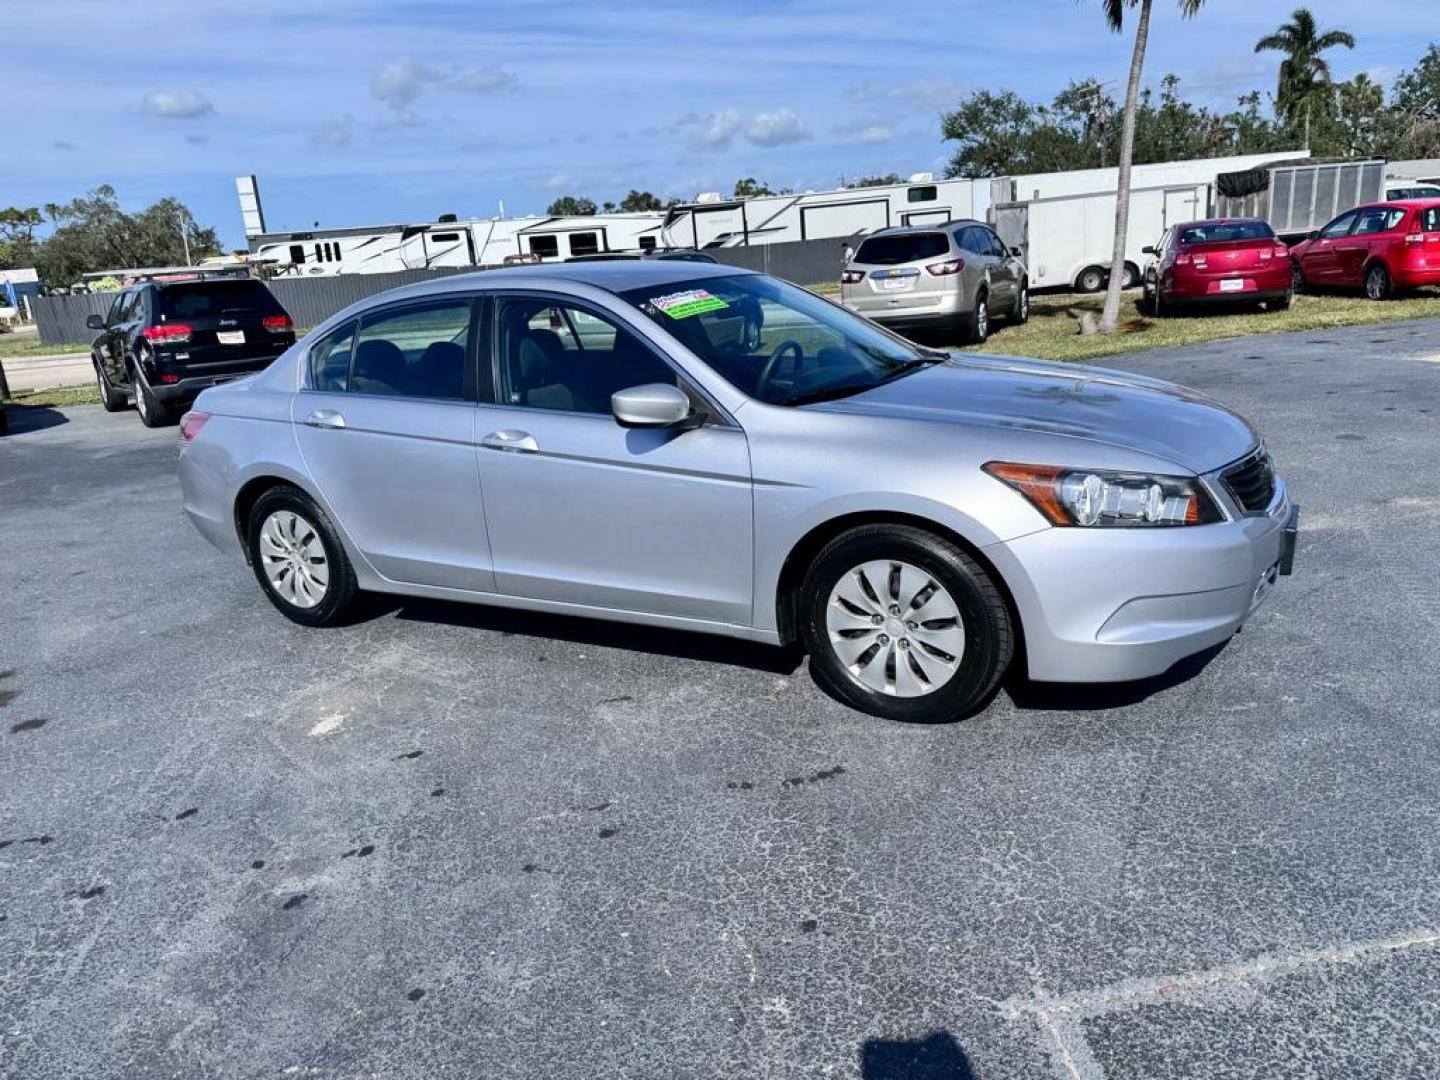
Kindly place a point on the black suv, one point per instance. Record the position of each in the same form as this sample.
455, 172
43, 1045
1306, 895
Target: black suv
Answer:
163, 341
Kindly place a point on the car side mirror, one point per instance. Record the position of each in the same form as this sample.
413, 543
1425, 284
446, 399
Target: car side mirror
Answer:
1017, 252
95, 322
654, 405
1148, 249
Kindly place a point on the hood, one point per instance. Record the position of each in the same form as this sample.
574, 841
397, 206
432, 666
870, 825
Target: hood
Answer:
1145, 415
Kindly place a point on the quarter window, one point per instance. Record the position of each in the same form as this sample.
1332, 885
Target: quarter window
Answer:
1430, 219
555, 356
330, 360
418, 351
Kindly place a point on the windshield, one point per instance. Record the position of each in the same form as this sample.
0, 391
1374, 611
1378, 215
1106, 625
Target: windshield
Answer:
207, 299
1221, 232
777, 342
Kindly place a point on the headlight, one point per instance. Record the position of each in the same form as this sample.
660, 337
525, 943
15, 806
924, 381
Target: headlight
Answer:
1091, 498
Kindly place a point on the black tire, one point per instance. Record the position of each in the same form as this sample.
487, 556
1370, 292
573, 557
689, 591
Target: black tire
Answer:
989, 640
1021, 315
1091, 279
1283, 303
1378, 285
1297, 277
110, 398
1131, 278
153, 412
340, 589
977, 327
1158, 307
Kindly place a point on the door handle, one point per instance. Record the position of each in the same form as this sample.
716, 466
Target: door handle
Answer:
515, 442
325, 418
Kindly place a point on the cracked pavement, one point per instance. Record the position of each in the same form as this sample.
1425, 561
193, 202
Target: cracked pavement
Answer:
452, 841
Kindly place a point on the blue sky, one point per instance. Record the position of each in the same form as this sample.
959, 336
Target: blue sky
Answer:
384, 110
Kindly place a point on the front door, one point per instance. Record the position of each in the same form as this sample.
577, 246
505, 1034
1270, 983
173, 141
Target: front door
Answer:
1321, 262
584, 511
387, 431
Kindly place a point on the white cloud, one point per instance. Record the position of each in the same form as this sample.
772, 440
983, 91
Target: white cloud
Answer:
866, 132
778, 128
399, 82
334, 134
559, 181
483, 80
928, 94
713, 131
177, 104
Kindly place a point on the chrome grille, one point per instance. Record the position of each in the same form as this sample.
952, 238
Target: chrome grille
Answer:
1251, 481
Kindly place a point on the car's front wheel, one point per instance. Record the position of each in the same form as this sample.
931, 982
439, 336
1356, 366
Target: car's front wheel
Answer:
1021, 315
978, 326
903, 624
298, 558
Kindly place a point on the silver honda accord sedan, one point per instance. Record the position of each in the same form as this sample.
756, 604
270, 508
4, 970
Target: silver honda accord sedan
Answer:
702, 448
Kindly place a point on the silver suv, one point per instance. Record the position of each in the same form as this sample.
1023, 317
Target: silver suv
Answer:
956, 276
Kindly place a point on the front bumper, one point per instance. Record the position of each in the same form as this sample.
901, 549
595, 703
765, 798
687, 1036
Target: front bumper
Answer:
1120, 604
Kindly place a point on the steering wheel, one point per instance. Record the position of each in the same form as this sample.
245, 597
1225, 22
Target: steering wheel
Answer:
768, 371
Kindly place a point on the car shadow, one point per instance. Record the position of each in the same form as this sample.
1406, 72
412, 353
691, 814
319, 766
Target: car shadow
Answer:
1091, 697
19, 419
935, 1057
681, 644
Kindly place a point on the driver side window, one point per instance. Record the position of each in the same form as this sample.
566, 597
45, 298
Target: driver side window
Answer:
1339, 227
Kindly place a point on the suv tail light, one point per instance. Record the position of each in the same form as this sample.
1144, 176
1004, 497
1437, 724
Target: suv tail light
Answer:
175, 333
852, 277
191, 423
277, 324
945, 269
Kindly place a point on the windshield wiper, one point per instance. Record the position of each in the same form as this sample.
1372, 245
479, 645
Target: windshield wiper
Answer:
925, 359
829, 393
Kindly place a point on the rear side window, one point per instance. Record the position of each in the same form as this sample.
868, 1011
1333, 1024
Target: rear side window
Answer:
902, 248
1378, 219
419, 351
210, 299
330, 360
1225, 231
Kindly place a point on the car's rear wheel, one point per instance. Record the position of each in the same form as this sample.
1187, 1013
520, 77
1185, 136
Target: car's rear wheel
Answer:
1377, 283
903, 624
298, 558
153, 412
110, 398
978, 326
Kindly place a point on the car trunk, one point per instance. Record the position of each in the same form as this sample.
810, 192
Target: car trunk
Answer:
1227, 258
226, 322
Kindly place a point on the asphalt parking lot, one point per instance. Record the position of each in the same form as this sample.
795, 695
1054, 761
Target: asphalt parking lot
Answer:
449, 841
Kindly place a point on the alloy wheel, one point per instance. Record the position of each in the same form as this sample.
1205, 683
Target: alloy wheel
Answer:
894, 628
293, 559
1375, 283
982, 320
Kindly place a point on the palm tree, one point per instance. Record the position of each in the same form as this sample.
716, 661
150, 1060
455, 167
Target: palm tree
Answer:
1304, 74
1115, 16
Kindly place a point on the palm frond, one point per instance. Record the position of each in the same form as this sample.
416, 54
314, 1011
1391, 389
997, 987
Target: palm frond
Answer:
1115, 13
1273, 43
1334, 38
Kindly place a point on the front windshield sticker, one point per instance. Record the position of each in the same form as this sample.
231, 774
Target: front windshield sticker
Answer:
682, 305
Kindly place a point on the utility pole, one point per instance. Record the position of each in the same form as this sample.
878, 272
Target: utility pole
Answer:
184, 234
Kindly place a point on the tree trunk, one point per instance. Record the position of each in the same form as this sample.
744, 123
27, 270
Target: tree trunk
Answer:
1307, 125
1111, 315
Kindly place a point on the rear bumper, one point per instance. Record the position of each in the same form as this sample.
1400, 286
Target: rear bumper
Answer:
187, 389
1415, 277
1270, 285
1122, 604
943, 310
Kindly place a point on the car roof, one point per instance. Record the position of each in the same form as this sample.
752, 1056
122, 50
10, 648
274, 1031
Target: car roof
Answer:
1404, 204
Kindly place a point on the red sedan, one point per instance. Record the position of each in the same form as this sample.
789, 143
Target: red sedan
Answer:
1380, 247
1223, 260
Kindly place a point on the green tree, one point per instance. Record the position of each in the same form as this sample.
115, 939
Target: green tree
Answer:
638, 201
749, 188
876, 181
571, 206
1303, 90
93, 233
1115, 16
17, 236
1414, 114
1358, 124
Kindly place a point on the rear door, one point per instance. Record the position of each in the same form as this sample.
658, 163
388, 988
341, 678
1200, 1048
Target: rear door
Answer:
386, 426
1320, 260
1368, 239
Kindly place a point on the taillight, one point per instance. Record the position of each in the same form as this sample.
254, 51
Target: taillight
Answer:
277, 324
191, 423
1416, 234
944, 269
1182, 258
175, 333
169, 378
852, 277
